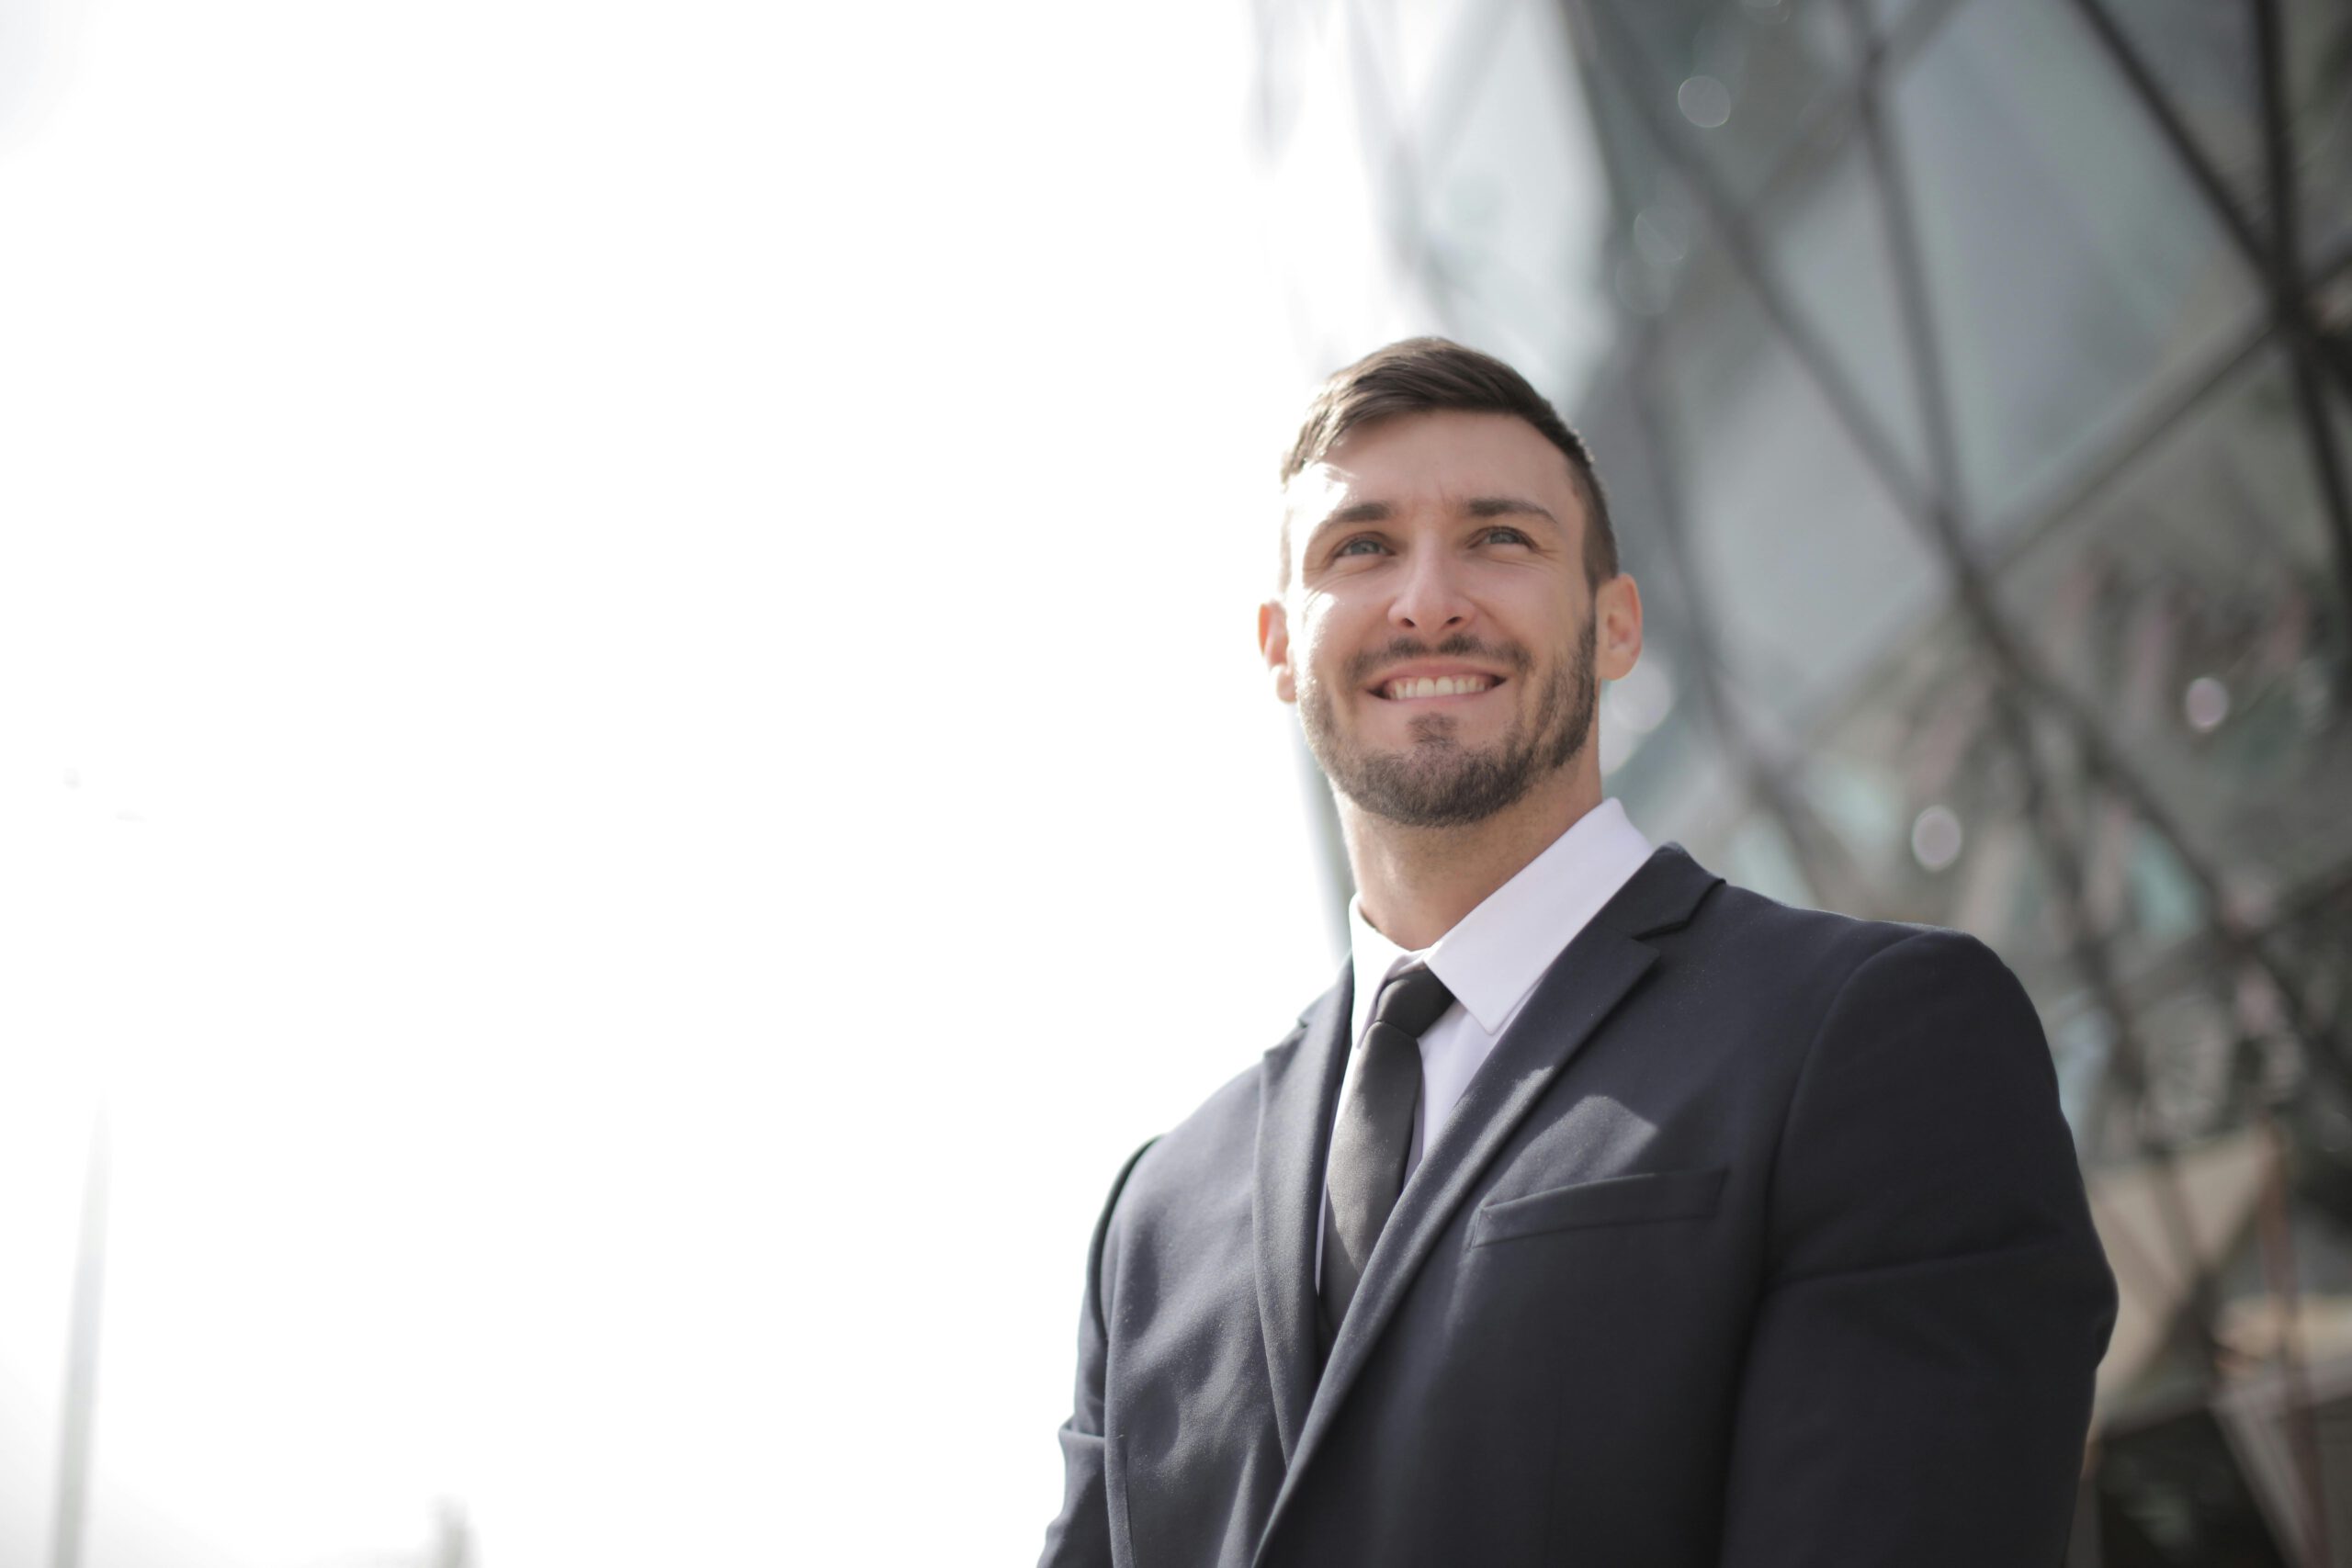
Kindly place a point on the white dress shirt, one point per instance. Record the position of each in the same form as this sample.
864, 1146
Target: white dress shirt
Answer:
1490, 961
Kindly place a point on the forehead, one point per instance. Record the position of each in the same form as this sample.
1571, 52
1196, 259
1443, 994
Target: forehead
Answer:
1434, 459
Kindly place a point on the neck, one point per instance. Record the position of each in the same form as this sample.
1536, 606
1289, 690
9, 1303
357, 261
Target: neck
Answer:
1416, 883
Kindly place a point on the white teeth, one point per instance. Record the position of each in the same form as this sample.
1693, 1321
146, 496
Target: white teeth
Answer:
1439, 685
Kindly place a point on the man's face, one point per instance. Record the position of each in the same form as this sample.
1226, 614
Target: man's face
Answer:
1438, 632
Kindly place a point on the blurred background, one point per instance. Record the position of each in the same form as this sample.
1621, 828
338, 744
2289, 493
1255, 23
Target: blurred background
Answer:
627, 712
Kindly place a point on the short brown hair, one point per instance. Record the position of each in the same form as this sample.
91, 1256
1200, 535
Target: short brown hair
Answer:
1429, 374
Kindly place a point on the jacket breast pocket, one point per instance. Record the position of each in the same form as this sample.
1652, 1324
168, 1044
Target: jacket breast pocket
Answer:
1614, 1201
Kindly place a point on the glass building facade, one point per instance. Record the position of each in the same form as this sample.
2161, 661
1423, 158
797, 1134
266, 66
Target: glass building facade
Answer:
1974, 383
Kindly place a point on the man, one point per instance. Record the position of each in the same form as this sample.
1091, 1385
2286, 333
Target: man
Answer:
1603, 1213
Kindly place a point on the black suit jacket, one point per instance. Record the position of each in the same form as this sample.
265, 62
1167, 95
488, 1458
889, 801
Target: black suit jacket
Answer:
1757, 1240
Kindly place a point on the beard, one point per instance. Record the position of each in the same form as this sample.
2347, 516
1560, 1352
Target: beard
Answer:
1436, 782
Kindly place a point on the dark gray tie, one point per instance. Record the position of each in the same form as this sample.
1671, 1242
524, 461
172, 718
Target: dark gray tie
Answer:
1375, 1132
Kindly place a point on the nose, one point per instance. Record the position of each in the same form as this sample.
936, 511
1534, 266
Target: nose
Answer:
1429, 600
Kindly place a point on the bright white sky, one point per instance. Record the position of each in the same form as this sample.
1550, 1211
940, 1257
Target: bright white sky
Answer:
629, 730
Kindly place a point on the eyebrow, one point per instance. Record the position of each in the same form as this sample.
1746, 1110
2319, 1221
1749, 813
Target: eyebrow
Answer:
1476, 506
1506, 506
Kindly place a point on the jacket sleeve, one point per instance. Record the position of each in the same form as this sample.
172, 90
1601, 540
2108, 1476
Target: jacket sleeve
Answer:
1079, 1535
1918, 1379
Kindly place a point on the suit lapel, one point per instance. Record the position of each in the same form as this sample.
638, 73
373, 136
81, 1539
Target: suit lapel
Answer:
1298, 1093
1581, 989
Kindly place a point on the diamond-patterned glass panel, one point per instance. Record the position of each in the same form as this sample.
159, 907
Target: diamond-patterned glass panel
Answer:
2074, 272
1742, 81
1808, 570
2193, 606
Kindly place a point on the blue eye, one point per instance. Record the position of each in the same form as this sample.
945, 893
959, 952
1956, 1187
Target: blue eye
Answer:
1507, 537
1349, 547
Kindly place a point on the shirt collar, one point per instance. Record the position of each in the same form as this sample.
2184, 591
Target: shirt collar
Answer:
1493, 956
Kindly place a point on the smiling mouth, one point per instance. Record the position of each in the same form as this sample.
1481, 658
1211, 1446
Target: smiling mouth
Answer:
1409, 688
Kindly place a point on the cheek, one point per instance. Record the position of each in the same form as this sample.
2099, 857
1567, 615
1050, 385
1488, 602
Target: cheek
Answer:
1543, 614
1309, 641
1327, 632
1321, 665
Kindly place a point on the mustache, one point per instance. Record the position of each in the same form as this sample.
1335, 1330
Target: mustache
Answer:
1365, 665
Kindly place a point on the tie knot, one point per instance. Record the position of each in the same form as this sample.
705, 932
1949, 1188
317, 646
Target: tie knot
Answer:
1411, 1000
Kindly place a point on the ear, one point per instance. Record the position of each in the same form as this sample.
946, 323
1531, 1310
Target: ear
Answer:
1617, 610
1273, 643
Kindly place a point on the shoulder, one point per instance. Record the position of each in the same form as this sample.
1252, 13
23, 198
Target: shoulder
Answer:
1900, 1046
1924, 1118
1220, 1135
1221, 1131
1939, 1004
1798, 967
1212, 1150
1188, 1193
1744, 923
